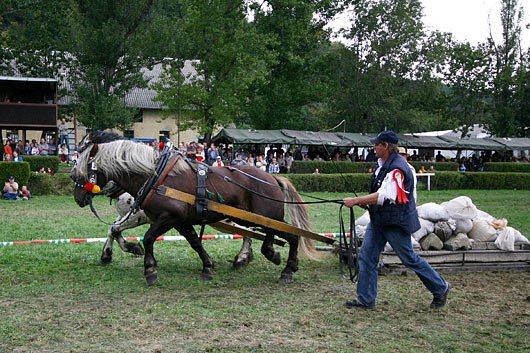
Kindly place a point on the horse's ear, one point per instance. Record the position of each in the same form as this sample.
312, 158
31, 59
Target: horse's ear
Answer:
94, 150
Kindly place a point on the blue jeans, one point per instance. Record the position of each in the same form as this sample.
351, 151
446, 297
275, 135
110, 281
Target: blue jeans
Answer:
374, 242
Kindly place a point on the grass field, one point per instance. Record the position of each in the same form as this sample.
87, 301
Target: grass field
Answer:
58, 298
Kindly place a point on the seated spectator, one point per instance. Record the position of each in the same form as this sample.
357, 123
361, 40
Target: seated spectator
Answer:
199, 153
16, 157
43, 147
34, 149
75, 157
239, 160
218, 162
461, 167
63, 153
8, 150
422, 170
24, 193
260, 163
191, 151
274, 167
8, 158
317, 171
11, 189
431, 169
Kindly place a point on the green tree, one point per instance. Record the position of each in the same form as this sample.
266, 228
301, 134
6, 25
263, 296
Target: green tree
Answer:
230, 58
467, 76
387, 74
34, 34
508, 74
297, 94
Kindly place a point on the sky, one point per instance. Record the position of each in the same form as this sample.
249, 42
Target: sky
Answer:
468, 20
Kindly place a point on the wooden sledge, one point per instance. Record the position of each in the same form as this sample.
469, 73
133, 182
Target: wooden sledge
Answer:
234, 212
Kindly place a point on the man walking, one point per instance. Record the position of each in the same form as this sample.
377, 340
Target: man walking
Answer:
393, 218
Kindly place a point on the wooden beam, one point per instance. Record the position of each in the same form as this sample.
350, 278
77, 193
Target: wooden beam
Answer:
244, 215
223, 226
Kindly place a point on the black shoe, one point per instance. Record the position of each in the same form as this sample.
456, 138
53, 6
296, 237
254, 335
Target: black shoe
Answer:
356, 304
440, 301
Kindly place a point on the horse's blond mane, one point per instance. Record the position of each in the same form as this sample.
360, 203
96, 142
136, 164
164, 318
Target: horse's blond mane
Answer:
121, 157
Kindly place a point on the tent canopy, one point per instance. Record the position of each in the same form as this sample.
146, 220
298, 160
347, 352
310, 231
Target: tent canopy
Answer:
252, 136
356, 139
412, 141
514, 143
315, 138
474, 143
350, 139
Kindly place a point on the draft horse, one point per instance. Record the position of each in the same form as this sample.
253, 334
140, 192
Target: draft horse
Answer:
106, 156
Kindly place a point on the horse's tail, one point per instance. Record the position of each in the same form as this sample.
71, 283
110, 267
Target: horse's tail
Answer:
299, 218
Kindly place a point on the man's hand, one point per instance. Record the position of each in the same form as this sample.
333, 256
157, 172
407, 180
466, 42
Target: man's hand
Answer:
350, 201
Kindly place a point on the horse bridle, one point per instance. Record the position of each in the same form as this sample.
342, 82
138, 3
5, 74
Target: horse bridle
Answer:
92, 184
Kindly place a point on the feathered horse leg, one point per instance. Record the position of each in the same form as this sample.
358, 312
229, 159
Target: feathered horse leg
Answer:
245, 255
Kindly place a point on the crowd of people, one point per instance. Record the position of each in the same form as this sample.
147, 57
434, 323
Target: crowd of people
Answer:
16, 150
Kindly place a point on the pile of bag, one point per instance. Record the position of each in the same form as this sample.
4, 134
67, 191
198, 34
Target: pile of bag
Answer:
456, 225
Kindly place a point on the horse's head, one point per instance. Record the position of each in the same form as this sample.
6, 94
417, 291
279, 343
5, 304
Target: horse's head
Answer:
87, 178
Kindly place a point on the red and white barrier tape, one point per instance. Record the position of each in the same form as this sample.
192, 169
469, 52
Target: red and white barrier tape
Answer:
161, 238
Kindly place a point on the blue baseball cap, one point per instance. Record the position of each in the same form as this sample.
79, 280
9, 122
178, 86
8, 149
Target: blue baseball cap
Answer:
11, 177
386, 136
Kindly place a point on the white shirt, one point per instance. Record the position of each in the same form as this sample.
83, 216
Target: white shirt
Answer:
388, 190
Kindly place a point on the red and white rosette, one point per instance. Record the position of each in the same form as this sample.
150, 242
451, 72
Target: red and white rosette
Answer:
401, 192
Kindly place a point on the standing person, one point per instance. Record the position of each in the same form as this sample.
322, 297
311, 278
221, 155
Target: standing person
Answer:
393, 218
63, 132
213, 153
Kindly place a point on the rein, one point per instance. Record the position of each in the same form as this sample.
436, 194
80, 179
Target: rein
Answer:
230, 180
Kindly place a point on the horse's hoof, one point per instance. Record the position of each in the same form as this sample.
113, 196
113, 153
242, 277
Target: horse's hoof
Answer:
206, 277
106, 256
276, 258
151, 277
286, 278
135, 249
239, 264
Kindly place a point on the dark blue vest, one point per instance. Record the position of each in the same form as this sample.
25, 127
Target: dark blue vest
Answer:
405, 215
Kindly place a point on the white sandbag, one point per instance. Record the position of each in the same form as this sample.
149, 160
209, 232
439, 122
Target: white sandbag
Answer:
360, 230
460, 207
363, 220
506, 239
499, 223
433, 212
481, 231
463, 225
426, 228
518, 237
485, 216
